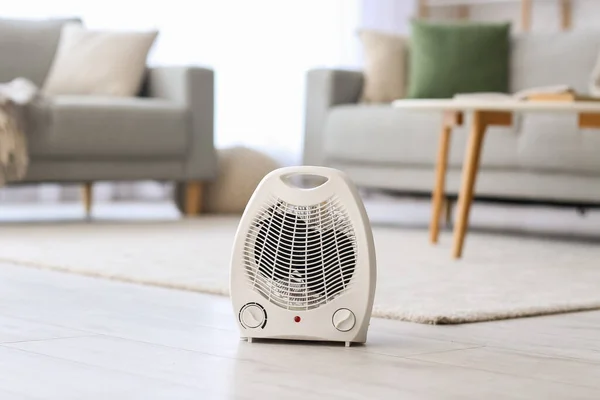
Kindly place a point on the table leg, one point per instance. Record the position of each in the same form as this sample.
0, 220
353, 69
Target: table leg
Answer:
470, 168
440, 180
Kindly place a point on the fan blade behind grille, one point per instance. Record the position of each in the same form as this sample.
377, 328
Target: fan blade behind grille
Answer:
303, 254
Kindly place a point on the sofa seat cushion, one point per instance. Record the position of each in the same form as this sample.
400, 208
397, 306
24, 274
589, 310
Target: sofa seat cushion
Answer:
383, 135
84, 127
380, 134
555, 143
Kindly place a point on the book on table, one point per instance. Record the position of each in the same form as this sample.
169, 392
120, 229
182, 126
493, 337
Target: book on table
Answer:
540, 93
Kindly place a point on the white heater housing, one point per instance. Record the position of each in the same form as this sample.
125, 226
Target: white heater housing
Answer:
303, 265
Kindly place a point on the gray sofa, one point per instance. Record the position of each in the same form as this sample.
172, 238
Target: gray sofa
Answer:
541, 158
164, 134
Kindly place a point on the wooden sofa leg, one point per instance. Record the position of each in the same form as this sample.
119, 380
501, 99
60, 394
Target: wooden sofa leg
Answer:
87, 198
193, 198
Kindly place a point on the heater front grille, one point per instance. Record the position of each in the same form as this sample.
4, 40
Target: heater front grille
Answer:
300, 257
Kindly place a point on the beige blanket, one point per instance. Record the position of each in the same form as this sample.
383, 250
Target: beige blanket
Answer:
15, 96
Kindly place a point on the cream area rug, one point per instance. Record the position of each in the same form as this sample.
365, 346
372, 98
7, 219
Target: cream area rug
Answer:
500, 276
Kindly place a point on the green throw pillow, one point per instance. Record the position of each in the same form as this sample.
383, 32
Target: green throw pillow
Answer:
451, 58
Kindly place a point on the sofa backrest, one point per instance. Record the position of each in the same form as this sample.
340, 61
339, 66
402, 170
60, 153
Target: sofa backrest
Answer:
543, 59
27, 47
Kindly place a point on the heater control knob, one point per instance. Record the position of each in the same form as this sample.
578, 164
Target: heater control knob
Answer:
344, 320
252, 316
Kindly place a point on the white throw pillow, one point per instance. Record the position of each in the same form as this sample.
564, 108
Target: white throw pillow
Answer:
99, 62
385, 56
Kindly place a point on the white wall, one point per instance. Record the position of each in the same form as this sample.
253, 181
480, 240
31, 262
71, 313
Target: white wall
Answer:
387, 15
545, 15
394, 15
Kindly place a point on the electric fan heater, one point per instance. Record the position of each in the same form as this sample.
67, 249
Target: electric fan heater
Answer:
303, 264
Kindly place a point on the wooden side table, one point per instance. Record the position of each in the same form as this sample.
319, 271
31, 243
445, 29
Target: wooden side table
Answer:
481, 121
485, 113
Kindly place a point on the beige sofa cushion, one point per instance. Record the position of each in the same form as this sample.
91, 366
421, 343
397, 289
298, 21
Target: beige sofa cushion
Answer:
385, 56
96, 62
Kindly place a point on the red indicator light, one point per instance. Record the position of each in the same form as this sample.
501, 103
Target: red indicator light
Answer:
297, 318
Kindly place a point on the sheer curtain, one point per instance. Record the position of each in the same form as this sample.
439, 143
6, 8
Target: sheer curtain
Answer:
260, 50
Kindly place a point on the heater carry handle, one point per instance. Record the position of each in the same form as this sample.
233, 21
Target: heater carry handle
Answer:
325, 172
306, 185
310, 172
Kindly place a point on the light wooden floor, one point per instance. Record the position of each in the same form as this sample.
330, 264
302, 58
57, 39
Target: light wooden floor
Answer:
69, 337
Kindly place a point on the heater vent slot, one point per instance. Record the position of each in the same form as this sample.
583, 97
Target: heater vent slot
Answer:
300, 257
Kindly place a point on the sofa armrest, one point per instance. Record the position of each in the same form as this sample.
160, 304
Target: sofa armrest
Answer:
326, 88
194, 88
